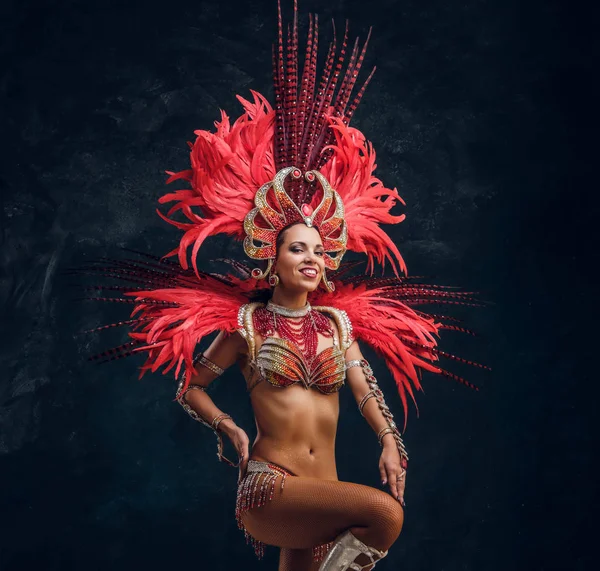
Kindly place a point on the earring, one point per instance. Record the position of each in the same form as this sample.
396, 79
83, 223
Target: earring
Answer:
329, 286
273, 280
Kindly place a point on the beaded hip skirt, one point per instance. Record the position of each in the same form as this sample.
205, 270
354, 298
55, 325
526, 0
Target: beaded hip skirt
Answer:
257, 488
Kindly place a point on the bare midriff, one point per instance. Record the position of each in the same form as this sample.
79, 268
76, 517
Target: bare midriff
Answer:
296, 426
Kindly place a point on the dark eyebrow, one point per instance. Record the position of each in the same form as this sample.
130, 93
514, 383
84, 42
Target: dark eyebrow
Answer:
304, 244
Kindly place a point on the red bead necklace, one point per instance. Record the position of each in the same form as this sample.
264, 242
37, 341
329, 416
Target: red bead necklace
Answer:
299, 326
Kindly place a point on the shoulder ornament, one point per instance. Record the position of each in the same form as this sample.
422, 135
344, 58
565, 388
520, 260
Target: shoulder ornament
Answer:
343, 323
246, 326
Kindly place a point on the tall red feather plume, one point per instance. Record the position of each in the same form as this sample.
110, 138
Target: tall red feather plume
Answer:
309, 129
228, 167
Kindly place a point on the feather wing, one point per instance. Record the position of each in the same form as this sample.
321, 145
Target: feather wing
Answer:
173, 309
383, 316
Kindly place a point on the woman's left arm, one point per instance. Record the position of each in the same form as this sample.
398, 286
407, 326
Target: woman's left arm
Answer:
368, 396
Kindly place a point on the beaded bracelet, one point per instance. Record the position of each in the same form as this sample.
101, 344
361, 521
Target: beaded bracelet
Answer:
217, 420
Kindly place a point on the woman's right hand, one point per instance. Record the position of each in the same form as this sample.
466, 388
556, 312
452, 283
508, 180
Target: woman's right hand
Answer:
241, 443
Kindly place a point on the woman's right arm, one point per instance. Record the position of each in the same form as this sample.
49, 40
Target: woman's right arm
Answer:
224, 351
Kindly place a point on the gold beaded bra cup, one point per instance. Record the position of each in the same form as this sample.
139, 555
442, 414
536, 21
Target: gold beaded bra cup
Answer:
291, 358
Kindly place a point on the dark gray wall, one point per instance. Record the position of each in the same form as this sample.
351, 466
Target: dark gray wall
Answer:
475, 112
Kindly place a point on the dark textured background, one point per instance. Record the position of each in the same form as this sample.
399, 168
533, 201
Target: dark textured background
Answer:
475, 111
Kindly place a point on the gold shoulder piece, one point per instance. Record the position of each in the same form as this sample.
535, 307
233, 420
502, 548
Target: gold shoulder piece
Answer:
343, 323
246, 326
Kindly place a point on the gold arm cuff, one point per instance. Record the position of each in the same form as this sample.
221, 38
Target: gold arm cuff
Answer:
353, 363
206, 362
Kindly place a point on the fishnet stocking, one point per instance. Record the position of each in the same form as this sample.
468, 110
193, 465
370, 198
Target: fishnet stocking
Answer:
310, 511
297, 560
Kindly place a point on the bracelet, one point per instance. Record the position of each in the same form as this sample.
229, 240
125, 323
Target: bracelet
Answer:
206, 362
214, 425
391, 428
364, 400
383, 432
217, 420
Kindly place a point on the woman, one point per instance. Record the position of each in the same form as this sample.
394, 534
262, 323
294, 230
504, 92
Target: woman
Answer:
296, 431
296, 183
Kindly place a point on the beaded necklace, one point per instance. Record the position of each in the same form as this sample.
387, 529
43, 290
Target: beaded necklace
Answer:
299, 326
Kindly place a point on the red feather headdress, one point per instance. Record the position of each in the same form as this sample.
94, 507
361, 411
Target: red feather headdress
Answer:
239, 186
308, 136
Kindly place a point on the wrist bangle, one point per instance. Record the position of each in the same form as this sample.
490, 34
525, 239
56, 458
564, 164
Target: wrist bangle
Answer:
383, 432
217, 420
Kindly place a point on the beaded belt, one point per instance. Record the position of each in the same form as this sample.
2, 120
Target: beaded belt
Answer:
255, 466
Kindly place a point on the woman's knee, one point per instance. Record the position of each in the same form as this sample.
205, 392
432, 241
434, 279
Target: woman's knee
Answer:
388, 519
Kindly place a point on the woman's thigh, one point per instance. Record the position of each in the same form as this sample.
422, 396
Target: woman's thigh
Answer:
310, 511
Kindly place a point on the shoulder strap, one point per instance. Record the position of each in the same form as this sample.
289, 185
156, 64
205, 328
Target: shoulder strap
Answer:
343, 323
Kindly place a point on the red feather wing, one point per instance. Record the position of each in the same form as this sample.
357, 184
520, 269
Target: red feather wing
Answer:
174, 309
381, 315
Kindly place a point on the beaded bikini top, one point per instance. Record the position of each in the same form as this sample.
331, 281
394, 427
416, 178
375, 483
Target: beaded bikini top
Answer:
281, 363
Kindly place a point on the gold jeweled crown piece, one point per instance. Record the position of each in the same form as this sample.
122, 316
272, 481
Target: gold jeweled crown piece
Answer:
277, 210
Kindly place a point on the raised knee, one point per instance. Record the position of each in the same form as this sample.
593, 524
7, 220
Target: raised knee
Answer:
391, 518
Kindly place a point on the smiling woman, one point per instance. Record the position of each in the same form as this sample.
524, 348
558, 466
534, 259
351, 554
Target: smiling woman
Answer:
268, 180
290, 473
299, 263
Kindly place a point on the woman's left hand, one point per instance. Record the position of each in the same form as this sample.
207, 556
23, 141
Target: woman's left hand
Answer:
391, 470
